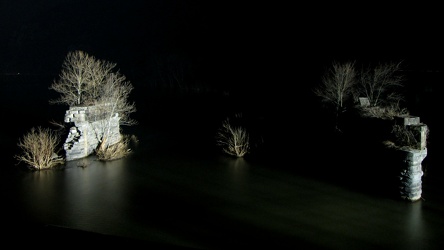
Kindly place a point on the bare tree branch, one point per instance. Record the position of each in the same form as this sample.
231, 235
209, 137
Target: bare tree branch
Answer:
381, 84
87, 81
80, 80
234, 140
337, 84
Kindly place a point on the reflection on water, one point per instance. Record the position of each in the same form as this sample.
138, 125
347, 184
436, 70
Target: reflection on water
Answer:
238, 168
206, 200
414, 227
203, 202
78, 194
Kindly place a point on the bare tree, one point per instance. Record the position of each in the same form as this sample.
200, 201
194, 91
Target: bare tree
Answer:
115, 92
381, 84
86, 80
234, 140
80, 79
113, 102
114, 105
337, 86
99, 72
171, 72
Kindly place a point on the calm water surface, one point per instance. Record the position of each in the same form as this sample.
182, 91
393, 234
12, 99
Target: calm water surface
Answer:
212, 201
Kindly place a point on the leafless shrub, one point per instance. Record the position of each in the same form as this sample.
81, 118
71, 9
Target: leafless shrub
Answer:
115, 151
234, 140
39, 149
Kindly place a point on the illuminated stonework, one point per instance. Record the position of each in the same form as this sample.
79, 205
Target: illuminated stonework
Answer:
90, 123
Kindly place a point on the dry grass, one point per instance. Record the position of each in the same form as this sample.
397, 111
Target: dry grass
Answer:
386, 113
403, 138
116, 151
39, 149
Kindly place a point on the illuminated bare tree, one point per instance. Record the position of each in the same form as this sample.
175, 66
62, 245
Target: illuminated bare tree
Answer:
86, 80
114, 105
114, 99
116, 91
234, 140
381, 84
80, 79
337, 86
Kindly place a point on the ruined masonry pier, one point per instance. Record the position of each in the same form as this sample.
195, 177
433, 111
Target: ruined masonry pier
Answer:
88, 126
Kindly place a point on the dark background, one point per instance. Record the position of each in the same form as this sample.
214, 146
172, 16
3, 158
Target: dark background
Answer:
226, 42
266, 57
258, 58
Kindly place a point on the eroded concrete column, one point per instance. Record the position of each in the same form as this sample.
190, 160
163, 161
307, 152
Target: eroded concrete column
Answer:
410, 176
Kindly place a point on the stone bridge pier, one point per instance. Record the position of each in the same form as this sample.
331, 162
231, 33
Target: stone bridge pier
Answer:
88, 126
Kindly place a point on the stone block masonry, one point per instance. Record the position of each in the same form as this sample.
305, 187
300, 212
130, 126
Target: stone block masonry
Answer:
410, 159
90, 124
418, 129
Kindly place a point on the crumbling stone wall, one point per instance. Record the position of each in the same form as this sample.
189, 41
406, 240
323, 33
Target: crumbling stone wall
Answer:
88, 125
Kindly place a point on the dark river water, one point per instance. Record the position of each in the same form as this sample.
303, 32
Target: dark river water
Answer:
176, 190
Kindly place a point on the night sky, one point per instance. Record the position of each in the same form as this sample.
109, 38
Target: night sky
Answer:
251, 45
